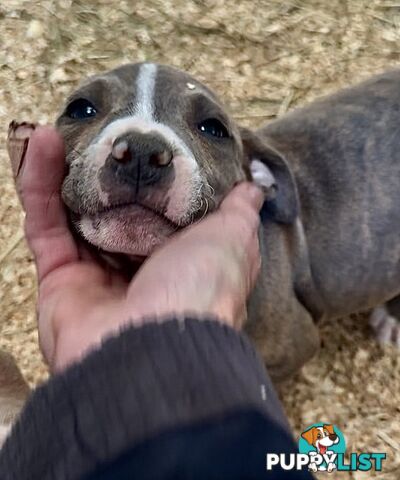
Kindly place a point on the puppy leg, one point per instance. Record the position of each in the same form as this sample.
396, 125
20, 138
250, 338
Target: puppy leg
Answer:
279, 324
13, 393
282, 330
385, 323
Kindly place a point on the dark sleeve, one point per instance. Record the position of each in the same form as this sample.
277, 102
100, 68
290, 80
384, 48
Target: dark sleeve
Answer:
165, 398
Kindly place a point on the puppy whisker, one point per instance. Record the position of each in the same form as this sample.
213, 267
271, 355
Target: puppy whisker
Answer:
207, 206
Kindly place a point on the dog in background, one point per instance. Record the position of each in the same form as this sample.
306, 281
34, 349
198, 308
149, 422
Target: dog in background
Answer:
13, 393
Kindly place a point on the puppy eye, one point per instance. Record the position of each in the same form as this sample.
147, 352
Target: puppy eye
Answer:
213, 127
80, 109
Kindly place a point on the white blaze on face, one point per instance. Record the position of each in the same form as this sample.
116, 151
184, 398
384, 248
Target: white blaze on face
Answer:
145, 90
184, 191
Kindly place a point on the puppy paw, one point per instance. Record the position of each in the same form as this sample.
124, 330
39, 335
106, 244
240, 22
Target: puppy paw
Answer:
4, 431
385, 326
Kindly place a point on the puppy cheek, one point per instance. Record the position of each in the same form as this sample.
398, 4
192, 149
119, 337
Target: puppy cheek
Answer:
185, 191
82, 191
227, 181
68, 194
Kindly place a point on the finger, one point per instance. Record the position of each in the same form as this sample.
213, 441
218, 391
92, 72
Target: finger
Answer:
255, 260
40, 182
240, 219
246, 194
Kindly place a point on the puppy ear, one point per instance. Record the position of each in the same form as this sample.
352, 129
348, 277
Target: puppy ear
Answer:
269, 169
330, 429
309, 436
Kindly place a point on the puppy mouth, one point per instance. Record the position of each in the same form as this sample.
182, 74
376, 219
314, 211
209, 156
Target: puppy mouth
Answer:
128, 207
128, 228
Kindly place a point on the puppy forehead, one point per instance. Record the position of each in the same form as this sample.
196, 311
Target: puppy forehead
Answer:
180, 84
161, 86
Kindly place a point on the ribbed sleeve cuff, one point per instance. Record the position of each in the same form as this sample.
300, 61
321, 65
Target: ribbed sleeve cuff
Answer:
145, 381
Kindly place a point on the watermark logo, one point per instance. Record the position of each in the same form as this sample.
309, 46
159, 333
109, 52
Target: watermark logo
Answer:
322, 448
322, 443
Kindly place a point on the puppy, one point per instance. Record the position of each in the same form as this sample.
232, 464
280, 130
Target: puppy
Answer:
149, 150
321, 438
13, 393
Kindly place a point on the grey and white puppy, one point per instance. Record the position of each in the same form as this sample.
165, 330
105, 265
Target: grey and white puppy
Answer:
150, 150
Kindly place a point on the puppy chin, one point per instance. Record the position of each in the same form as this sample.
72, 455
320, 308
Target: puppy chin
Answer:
131, 230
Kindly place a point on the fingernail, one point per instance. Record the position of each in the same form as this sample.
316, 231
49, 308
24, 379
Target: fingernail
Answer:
17, 144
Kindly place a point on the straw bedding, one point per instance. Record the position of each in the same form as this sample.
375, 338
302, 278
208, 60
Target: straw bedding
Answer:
264, 58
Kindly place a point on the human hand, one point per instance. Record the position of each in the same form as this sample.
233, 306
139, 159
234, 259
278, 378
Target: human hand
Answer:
207, 269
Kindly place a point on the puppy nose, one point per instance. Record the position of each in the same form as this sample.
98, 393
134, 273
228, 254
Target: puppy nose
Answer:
333, 437
120, 152
147, 149
161, 159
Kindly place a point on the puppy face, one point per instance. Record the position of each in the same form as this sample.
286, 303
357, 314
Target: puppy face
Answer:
149, 150
321, 437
